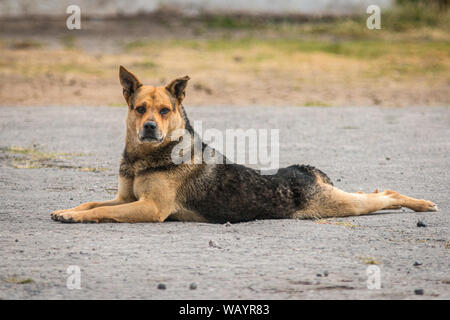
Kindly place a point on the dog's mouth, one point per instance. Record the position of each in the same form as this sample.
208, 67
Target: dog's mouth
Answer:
151, 139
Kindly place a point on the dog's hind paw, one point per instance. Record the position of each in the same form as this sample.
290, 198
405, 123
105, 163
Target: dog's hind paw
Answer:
424, 206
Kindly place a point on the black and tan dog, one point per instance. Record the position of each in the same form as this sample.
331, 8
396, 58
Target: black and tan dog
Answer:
152, 188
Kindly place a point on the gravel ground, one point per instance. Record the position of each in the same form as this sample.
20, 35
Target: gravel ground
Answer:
404, 149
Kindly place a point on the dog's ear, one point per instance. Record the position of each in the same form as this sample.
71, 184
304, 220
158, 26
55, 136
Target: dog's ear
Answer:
129, 83
178, 87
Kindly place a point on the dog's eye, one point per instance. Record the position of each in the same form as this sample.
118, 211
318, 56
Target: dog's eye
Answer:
141, 110
164, 110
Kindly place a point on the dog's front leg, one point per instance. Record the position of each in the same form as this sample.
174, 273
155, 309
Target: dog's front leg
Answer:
138, 211
124, 195
90, 205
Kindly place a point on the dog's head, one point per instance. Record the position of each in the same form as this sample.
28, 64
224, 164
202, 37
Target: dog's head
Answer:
154, 112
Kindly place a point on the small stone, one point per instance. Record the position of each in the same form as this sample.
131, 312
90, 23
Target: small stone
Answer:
318, 275
419, 292
16, 240
193, 286
338, 180
325, 273
421, 224
213, 244
161, 286
228, 224
417, 263
388, 158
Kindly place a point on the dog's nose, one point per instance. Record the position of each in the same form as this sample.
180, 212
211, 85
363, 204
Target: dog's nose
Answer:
150, 125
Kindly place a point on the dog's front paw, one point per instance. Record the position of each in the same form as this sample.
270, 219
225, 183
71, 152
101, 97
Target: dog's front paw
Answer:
54, 215
73, 217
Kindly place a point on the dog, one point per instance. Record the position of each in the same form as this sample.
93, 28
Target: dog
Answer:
152, 188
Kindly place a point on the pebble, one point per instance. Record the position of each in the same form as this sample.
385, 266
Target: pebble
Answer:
214, 244
417, 263
418, 292
421, 224
325, 273
161, 286
193, 286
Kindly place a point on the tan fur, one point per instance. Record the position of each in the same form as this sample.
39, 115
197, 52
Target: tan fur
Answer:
333, 202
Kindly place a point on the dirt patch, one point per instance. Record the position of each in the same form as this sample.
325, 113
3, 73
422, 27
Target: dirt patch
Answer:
42, 63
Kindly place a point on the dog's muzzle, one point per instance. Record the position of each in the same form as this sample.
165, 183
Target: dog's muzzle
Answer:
150, 132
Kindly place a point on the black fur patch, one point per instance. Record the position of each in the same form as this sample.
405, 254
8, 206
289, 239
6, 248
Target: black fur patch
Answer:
236, 193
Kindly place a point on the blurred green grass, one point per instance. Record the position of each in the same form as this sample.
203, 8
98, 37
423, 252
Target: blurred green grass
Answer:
357, 48
404, 16
411, 27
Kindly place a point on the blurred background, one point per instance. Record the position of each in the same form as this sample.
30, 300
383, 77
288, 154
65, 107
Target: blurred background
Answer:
255, 52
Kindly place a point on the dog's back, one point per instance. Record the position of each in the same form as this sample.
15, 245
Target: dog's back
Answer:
235, 193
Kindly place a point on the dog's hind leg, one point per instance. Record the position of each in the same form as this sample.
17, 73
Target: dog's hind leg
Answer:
392, 207
333, 202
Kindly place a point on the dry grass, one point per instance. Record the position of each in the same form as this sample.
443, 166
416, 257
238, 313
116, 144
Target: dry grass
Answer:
369, 260
16, 280
33, 158
346, 224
